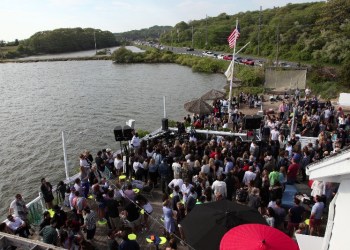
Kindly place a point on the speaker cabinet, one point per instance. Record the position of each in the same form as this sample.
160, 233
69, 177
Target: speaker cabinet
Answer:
127, 133
301, 103
118, 133
165, 124
252, 122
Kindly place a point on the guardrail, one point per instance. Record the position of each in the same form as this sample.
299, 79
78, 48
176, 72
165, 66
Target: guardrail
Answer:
36, 207
35, 210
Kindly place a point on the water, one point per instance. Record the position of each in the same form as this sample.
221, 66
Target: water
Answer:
87, 99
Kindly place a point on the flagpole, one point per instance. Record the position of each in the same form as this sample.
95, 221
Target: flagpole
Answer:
232, 69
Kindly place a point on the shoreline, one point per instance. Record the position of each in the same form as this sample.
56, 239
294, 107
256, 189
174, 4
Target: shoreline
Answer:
57, 59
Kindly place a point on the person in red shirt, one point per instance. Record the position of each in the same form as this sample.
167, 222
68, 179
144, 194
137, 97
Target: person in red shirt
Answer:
292, 172
197, 124
215, 152
246, 165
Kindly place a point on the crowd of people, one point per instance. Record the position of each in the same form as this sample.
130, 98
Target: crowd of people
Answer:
191, 170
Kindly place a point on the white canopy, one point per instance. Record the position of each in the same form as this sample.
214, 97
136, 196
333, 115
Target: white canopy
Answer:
344, 99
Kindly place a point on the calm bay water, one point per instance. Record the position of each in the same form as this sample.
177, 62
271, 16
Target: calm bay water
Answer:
87, 99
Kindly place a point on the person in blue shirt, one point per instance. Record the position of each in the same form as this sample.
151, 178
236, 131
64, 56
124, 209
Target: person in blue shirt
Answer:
228, 165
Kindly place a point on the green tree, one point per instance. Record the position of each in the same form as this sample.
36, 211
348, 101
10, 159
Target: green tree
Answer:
123, 55
345, 72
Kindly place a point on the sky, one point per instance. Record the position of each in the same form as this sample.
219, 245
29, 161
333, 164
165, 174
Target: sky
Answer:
19, 19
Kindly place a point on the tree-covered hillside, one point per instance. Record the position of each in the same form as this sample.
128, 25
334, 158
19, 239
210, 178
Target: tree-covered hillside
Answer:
152, 33
64, 40
316, 32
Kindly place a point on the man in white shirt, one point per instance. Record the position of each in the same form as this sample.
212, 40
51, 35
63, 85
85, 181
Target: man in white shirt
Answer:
307, 93
135, 141
249, 176
271, 124
138, 169
175, 182
18, 226
18, 207
219, 187
176, 166
274, 134
185, 189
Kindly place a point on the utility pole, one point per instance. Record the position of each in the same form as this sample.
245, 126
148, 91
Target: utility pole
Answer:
278, 43
95, 43
171, 40
259, 31
192, 37
206, 30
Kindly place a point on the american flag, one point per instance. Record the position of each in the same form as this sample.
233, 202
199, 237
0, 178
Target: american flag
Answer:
233, 37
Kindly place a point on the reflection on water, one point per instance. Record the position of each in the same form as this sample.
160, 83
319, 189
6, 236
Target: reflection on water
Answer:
77, 54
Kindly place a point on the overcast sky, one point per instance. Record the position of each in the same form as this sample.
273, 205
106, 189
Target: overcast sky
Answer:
22, 18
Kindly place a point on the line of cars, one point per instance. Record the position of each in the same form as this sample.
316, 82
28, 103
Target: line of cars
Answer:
246, 61
240, 60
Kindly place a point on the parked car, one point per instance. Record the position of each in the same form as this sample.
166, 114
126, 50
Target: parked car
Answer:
228, 57
189, 49
207, 53
248, 61
285, 65
220, 56
282, 64
210, 54
238, 59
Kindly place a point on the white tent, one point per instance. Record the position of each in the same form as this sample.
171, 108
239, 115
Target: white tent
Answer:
344, 99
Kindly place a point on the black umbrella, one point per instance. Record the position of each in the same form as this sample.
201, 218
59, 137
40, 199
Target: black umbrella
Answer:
198, 106
206, 224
